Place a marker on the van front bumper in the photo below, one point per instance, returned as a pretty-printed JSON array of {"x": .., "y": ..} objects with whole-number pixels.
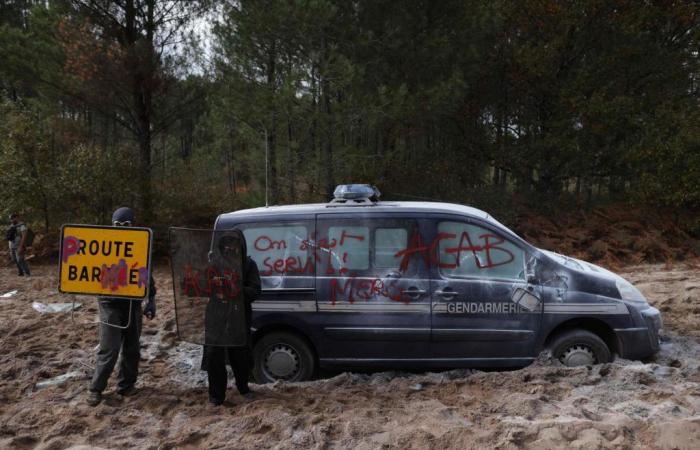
[{"x": 641, "y": 342}]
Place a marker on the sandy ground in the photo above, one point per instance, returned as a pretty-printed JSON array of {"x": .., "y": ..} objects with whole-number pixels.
[{"x": 620, "y": 405}]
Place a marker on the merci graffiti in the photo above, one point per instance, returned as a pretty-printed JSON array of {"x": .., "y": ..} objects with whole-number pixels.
[{"x": 364, "y": 289}]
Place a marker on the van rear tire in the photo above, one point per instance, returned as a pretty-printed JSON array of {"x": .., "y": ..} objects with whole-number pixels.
[
  {"x": 283, "y": 356},
  {"x": 580, "y": 348}
]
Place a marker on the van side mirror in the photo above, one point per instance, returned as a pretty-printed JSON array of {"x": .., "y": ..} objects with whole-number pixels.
[{"x": 525, "y": 298}]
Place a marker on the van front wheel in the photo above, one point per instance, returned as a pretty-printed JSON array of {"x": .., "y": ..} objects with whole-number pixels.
[
  {"x": 580, "y": 348},
  {"x": 283, "y": 356}
]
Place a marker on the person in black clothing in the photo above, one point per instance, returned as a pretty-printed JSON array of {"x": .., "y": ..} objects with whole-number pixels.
[
  {"x": 115, "y": 335},
  {"x": 16, "y": 236},
  {"x": 220, "y": 327}
]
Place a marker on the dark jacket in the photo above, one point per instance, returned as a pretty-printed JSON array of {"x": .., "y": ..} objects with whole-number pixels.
[
  {"x": 251, "y": 291},
  {"x": 251, "y": 281},
  {"x": 251, "y": 286},
  {"x": 227, "y": 319}
]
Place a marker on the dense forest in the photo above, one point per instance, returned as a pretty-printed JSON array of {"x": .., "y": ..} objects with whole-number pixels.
[{"x": 183, "y": 108}]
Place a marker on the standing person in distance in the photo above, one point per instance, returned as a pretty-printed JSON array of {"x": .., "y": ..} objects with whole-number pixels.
[
  {"x": 18, "y": 249},
  {"x": 114, "y": 337}
]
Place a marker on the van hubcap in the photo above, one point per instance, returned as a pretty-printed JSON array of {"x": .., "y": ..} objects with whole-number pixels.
[
  {"x": 281, "y": 362},
  {"x": 577, "y": 355}
]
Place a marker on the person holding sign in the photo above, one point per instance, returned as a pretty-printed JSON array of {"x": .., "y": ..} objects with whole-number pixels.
[
  {"x": 232, "y": 291},
  {"x": 120, "y": 329}
]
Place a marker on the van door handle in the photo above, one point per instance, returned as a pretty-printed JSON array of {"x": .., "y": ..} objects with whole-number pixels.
[
  {"x": 447, "y": 295},
  {"x": 414, "y": 293}
]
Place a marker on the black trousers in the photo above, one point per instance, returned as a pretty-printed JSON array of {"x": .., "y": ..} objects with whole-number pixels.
[
  {"x": 113, "y": 339},
  {"x": 239, "y": 358}
]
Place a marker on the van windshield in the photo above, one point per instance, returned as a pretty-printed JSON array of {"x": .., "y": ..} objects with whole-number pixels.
[{"x": 564, "y": 260}]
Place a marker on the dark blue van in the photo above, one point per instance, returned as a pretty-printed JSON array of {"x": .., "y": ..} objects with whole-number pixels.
[{"x": 359, "y": 283}]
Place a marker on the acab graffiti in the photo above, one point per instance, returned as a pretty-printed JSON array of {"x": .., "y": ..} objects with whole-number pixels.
[
  {"x": 222, "y": 283},
  {"x": 490, "y": 245}
]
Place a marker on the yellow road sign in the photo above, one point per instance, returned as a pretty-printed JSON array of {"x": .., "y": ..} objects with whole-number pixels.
[{"x": 101, "y": 260}]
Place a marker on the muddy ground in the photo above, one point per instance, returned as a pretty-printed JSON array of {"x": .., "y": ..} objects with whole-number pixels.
[{"x": 625, "y": 404}]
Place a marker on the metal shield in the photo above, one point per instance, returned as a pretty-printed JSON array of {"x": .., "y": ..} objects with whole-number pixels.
[{"x": 207, "y": 268}]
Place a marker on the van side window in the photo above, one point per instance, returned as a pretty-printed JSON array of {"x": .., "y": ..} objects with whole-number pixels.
[
  {"x": 468, "y": 250},
  {"x": 280, "y": 250},
  {"x": 366, "y": 247},
  {"x": 388, "y": 242},
  {"x": 350, "y": 247}
]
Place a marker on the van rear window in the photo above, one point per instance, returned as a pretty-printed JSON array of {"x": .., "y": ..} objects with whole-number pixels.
[{"x": 280, "y": 250}]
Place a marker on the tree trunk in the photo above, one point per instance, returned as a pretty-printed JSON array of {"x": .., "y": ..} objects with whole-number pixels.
[
  {"x": 329, "y": 129},
  {"x": 230, "y": 162},
  {"x": 313, "y": 129},
  {"x": 143, "y": 102},
  {"x": 145, "y": 171},
  {"x": 291, "y": 163},
  {"x": 328, "y": 153},
  {"x": 272, "y": 130}
]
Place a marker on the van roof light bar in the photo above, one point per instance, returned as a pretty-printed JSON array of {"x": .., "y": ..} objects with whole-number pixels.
[{"x": 355, "y": 195}]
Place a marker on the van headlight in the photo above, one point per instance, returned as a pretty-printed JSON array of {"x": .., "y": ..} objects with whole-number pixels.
[{"x": 629, "y": 293}]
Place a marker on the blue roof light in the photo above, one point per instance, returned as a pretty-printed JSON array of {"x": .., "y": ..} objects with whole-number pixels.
[{"x": 356, "y": 192}]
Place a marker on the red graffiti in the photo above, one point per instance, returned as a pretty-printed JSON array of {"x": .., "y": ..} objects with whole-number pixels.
[
  {"x": 488, "y": 252},
  {"x": 190, "y": 282},
  {"x": 271, "y": 266},
  {"x": 344, "y": 234},
  {"x": 327, "y": 244},
  {"x": 353, "y": 288},
  {"x": 114, "y": 276},
  {"x": 70, "y": 247},
  {"x": 428, "y": 252},
  {"x": 286, "y": 266},
  {"x": 264, "y": 243},
  {"x": 306, "y": 244},
  {"x": 221, "y": 283},
  {"x": 487, "y": 248}
]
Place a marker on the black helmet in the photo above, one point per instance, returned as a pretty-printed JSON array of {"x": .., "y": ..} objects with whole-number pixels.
[
  {"x": 230, "y": 239},
  {"x": 123, "y": 214}
]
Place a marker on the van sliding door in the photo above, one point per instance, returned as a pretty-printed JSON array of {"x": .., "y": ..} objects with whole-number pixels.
[{"x": 372, "y": 295}]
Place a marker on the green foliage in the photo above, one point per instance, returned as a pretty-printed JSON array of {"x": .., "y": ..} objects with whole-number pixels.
[
  {"x": 28, "y": 178},
  {"x": 54, "y": 180},
  {"x": 489, "y": 103}
]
